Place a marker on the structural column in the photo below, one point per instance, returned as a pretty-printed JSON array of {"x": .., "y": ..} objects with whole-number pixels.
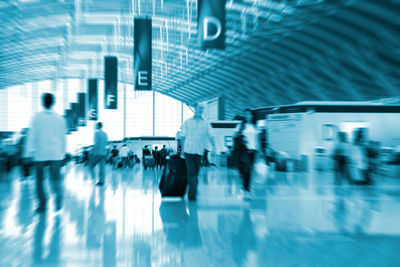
[
  {"x": 4, "y": 109},
  {"x": 181, "y": 114},
  {"x": 154, "y": 112},
  {"x": 35, "y": 98},
  {"x": 65, "y": 95},
  {"x": 124, "y": 110}
]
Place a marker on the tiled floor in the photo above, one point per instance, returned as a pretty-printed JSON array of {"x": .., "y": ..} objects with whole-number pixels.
[{"x": 299, "y": 219}]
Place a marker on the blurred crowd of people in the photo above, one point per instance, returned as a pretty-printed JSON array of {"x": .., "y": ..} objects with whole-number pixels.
[
  {"x": 43, "y": 146},
  {"x": 358, "y": 161}
]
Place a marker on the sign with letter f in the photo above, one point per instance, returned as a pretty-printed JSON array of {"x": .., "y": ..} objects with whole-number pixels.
[{"x": 211, "y": 23}]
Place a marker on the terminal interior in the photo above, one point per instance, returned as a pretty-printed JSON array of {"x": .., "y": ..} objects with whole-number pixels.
[{"x": 310, "y": 71}]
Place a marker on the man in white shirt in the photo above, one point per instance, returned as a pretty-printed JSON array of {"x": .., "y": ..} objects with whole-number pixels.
[
  {"x": 99, "y": 153},
  {"x": 47, "y": 145},
  {"x": 195, "y": 135}
]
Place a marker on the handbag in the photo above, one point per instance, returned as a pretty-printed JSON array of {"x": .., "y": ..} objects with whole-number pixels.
[{"x": 260, "y": 171}]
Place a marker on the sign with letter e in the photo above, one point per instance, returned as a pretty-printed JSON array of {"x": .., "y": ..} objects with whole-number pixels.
[{"x": 142, "y": 54}]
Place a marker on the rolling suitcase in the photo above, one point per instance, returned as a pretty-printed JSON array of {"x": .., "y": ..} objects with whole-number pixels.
[
  {"x": 173, "y": 182},
  {"x": 148, "y": 162}
]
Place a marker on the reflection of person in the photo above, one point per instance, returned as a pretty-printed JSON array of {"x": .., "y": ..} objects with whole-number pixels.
[
  {"x": 99, "y": 153},
  {"x": 174, "y": 218},
  {"x": 193, "y": 237},
  {"x": 54, "y": 252},
  {"x": 96, "y": 220},
  {"x": 38, "y": 240},
  {"x": 180, "y": 223},
  {"x": 53, "y": 256},
  {"x": 244, "y": 240},
  {"x": 141, "y": 254},
  {"x": 24, "y": 216},
  {"x": 47, "y": 144},
  {"x": 195, "y": 134},
  {"x": 340, "y": 211}
]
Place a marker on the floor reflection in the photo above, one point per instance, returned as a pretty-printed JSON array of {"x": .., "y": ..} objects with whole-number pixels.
[
  {"x": 295, "y": 219},
  {"x": 40, "y": 246}
]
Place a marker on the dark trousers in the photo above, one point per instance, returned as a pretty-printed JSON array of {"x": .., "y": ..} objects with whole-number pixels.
[
  {"x": 101, "y": 160},
  {"x": 245, "y": 167},
  {"x": 55, "y": 178},
  {"x": 193, "y": 168},
  {"x": 26, "y": 167},
  {"x": 342, "y": 171}
]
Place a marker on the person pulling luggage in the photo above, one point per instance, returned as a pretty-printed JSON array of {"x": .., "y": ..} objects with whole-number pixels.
[{"x": 195, "y": 135}]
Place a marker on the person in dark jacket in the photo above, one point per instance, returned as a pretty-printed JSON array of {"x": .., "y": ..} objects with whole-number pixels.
[
  {"x": 156, "y": 157},
  {"x": 246, "y": 144}
]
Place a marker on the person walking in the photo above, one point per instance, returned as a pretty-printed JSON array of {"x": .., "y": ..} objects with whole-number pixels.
[
  {"x": 99, "y": 153},
  {"x": 47, "y": 146},
  {"x": 156, "y": 156},
  {"x": 340, "y": 156},
  {"x": 195, "y": 135},
  {"x": 246, "y": 144},
  {"x": 359, "y": 158},
  {"x": 163, "y": 156},
  {"x": 114, "y": 157}
]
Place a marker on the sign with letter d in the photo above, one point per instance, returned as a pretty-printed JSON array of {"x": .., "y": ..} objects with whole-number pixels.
[{"x": 211, "y": 23}]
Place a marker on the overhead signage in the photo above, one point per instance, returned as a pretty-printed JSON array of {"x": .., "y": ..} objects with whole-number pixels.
[
  {"x": 211, "y": 23},
  {"x": 110, "y": 82},
  {"x": 142, "y": 54},
  {"x": 93, "y": 99}
]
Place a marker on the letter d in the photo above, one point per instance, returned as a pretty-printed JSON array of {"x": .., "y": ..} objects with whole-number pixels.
[{"x": 214, "y": 21}]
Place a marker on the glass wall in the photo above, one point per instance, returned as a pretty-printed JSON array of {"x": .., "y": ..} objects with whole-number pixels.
[{"x": 24, "y": 100}]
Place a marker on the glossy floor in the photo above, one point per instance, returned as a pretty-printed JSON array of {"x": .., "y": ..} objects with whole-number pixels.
[{"x": 299, "y": 219}]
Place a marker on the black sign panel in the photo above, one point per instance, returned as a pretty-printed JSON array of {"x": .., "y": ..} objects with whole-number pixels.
[
  {"x": 70, "y": 120},
  {"x": 81, "y": 109},
  {"x": 211, "y": 23},
  {"x": 110, "y": 82},
  {"x": 93, "y": 102},
  {"x": 67, "y": 114},
  {"x": 74, "y": 116},
  {"x": 142, "y": 54}
]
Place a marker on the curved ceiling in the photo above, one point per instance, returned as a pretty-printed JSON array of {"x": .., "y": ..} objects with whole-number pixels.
[{"x": 277, "y": 51}]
